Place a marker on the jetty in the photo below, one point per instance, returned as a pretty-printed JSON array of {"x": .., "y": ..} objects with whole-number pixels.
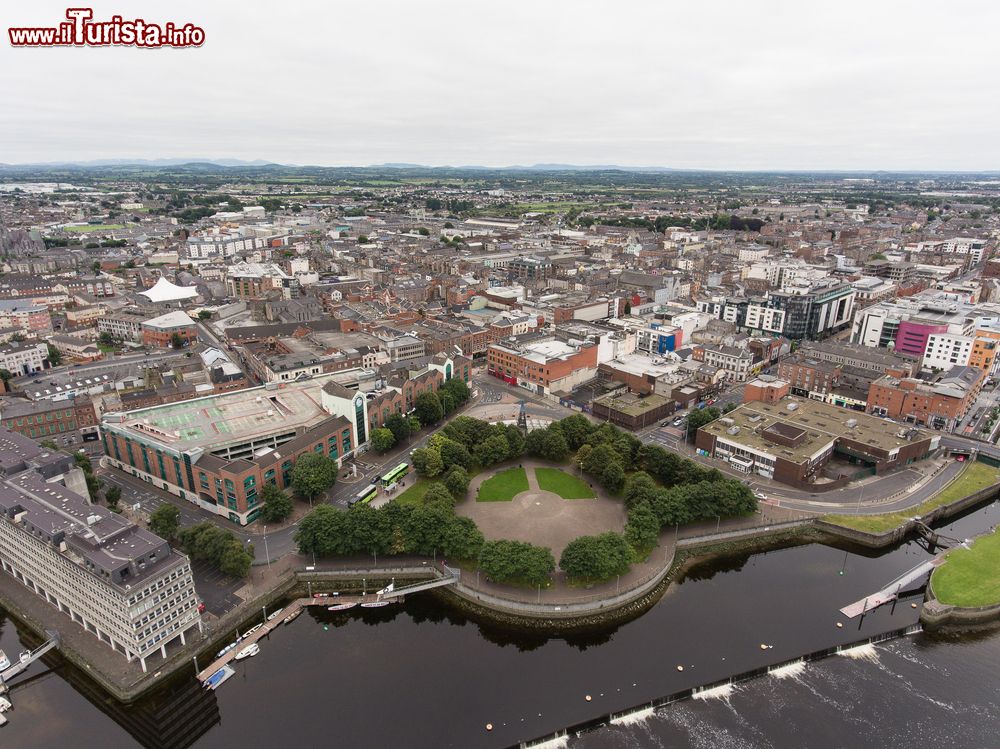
[
  {"x": 892, "y": 590},
  {"x": 390, "y": 594},
  {"x": 26, "y": 659}
]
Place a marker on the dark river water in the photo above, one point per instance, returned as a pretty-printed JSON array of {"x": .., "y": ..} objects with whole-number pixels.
[{"x": 421, "y": 675}]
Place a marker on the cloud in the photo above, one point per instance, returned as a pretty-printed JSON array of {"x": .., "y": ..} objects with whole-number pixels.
[{"x": 752, "y": 85}]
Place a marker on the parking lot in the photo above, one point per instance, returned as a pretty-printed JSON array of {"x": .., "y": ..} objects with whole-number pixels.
[{"x": 216, "y": 590}]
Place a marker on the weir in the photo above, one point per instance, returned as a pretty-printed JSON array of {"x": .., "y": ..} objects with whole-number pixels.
[{"x": 639, "y": 713}]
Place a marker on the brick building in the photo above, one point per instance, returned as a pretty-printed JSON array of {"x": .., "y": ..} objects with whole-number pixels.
[
  {"x": 940, "y": 404},
  {"x": 543, "y": 366},
  {"x": 160, "y": 331}
]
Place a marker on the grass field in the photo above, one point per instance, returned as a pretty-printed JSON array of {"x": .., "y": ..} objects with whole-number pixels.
[
  {"x": 503, "y": 486},
  {"x": 564, "y": 484},
  {"x": 976, "y": 476},
  {"x": 970, "y": 577},
  {"x": 414, "y": 495},
  {"x": 94, "y": 227}
]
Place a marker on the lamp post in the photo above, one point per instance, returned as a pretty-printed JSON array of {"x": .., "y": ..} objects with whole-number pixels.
[{"x": 267, "y": 554}]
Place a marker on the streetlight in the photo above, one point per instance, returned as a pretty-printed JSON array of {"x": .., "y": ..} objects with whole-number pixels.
[{"x": 267, "y": 554}]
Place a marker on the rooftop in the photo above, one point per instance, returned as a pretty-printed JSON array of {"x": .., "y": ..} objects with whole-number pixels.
[
  {"x": 631, "y": 404},
  {"x": 218, "y": 421},
  {"x": 812, "y": 425}
]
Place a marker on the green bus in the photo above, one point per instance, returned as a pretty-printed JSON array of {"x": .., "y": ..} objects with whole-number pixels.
[
  {"x": 364, "y": 496},
  {"x": 395, "y": 474}
]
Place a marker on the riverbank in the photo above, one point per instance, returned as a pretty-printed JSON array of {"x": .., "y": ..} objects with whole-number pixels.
[{"x": 965, "y": 590}]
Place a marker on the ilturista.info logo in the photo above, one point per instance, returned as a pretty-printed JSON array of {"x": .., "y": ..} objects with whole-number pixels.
[{"x": 81, "y": 30}]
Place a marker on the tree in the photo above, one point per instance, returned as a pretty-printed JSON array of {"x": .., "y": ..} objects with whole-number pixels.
[
  {"x": 456, "y": 388},
  {"x": 54, "y": 356},
  {"x": 456, "y": 479},
  {"x": 639, "y": 488},
  {"x": 313, "y": 474},
  {"x": 106, "y": 339},
  {"x": 235, "y": 560},
  {"x": 491, "y": 451},
  {"x": 113, "y": 495},
  {"x": 576, "y": 429},
  {"x": 428, "y": 408},
  {"x": 700, "y": 418},
  {"x": 515, "y": 441},
  {"x": 600, "y": 458},
  {"x": 399, "y": 425},
  {"x": 613, "y": 477},
  {"x": 454, "y": 453},
  {"x": 204, "y": 314},
  {"x": 643, "y": 527},
  {"x": 383, "y": 439},
  {"x": 516, "y": 561},
  {"x": 176, "y": 341},
  {"x": 548, "y": 443},
  {"x": 596, "y": 557},
  {"x": 438, "y": 492},
  {"x": 277, "y": 505},
  {"x": 5, "y": 376},
  {"x": 427, "y": 461},
  {"x": 164, "y": 521}
]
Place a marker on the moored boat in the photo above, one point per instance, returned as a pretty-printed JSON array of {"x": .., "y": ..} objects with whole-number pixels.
[
  {"x": 218, "y": 678},
  {"x": 291, "y": 617},
  {"x": 341, "y": 607},
  {"x": 4, "y": 661},
  {"x": 374, "y": 604},
  {"x": 248, "y": 652}
]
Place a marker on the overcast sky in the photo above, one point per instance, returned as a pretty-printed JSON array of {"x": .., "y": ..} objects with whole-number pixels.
[{"x": 710, "y": 84}]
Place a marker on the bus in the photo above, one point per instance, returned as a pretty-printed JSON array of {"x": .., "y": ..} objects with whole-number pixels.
[
  {"x": 364, "y": 496},
  {"x": 395, "y": 474}
]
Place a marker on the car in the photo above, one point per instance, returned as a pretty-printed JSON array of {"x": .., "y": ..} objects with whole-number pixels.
[
  {"x": 201, "y": 608},
  {"x": 678, "y": 422},
  {"x": 666, "y": 422},
  {"x": 760, "y": 495}
]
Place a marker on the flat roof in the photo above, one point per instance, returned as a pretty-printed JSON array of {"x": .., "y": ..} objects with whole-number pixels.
[
  {"x": 821, "y": 423},
  {"x": 217, "y": 421},
  {"x": 631, "y": 404}
]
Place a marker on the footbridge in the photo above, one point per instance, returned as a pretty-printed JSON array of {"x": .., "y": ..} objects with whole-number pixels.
[
  {"x": 891, "y": 591},
  {"x": 27, "y": 658}
]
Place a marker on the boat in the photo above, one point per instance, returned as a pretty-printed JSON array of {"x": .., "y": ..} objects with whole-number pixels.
[
  {"x": 292, "y": 617},
  {"x": 252, "y": 630},
  {"x": 248, "y": 652},
  {"x": 225, "y": 650},
  {"x": 218, "y": 678},
  {"x": 341, "y": 607},
  {"x": 5, "y": 705},
  {"x": 4, "y": 661},
  {"x": 3, "y": 721},
  {"x": 374, "y": 604},
  {"x": 274, "y": 615}
]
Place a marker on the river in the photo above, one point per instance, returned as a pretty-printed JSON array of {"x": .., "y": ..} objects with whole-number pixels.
[{"x": 423, "y": 675}]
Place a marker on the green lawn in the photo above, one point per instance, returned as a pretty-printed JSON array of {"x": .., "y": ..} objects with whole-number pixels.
[
  {"x": 976, "y": 476},
  {"x": 503, "y": 486},
  {"x": 564, "y": 484},
  {"x": 970, "y": 577},
  {"x": 414, "y": 495},
  {"x": 94, "y": 227}
]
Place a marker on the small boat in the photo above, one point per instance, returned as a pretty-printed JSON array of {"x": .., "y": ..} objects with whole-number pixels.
[
  {"x": 252, "y": 630},
  {"x": 4, "y": 661},
  {"x": 341, "y": 607},
  {"x": 5, "y": 705},
  {"x": 225, "y": 650},
  {"x": 321, "y": 595},
  {"x": 274, "y": 615},
  {"x": 374, "y": 604},
  {"x": 248, "y": 652},
  {"x": 3, "y": 721},
  {"x": 218, "y": 678},
  {"x": 291, "y": 617}
]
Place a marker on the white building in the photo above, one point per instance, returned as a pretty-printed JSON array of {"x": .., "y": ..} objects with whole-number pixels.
[{"x": 23, "y": 358}]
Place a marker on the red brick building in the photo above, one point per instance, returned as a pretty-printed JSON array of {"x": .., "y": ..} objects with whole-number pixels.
[{"x": 159, "y": 332}]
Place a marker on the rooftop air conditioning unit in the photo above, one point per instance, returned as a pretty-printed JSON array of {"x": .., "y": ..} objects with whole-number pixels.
[
  {"x": 733, "y": 430},
  {"x": 91, "y": 519}
]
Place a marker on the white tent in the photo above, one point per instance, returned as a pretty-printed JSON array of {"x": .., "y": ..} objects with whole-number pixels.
[{"x": 165, "y": 291}]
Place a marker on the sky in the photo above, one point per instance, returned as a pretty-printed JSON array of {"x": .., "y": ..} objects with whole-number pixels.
[{"x": 745, "y": 85}]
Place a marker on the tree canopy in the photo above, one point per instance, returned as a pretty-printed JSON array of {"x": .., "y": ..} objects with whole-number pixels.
[{"x": 313, "y": 474}]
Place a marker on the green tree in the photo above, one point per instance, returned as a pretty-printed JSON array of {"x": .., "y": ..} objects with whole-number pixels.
[
  {"x": 235, "y": 560},
  {"x": 106, "y": 339},
  {"x": 427, "y": 462},
  {"x": 313, "y": 474},
  {"x": 639, "y": 488},
  {"x": 164, "y": 521},
  {"x": 454, "y": 453},
  {"x": 439, "y": 492},
  {"x": 399, "y": 425},
  {"x": 596, "y": 557},
  {"x": 277, "y": 505},
  {"x": 642, "y": 528},
  {"x": 113, "y": 495},
  {"x": 176, "y": 340},
  {"x": 516, "y": 561},
  {"x": 700, "y": 418},
  {"x": 613, "y": 477},
  {"x": 457, "y": 389},
  {"x": 576, "y": 429},
  {"x": 456, "y": 479},
  {"x": 515, "y": 441},
  {"x": 54, "y": 356},
  {"x": 204, "y": 314},
  {"x": 383, "y": 439},
  {"x": 461, "y": 539},
  {"x": 5, "y": 376},
  {"x": 427, "y": 408},
  {"x": 491, "y": 451}
]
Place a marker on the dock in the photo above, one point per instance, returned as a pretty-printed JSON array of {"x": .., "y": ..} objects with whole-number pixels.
[
  {"x": 26, "y": 660},
  {"x": 891, "y": 591},
  {"x": 391, "y": 594}
]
